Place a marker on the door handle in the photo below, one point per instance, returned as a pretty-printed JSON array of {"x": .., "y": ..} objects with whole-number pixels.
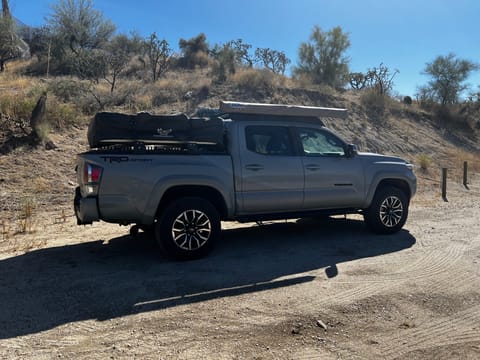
[
  {"x": 254, "y": 167},
  {"x": 312, "y": 167}
]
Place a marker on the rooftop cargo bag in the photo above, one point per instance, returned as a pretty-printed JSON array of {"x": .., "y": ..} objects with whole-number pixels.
[{"x": 108, "y": 128}]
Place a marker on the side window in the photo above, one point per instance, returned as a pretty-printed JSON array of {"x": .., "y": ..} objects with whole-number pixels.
[
  {"x": 269, "y": 140},
  {"x": 317, "y": 142}
]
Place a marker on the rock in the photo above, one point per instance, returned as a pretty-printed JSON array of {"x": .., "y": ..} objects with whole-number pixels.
[
  {"x": 295, "y": 331},
  {"x": 321, "y": 324},
  {"x": 49, "y": 145}
]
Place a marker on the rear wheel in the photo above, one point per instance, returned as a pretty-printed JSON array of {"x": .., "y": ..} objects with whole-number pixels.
[
  {"x": 388, "y": 211},
  {"x": 188, "y": 228}
]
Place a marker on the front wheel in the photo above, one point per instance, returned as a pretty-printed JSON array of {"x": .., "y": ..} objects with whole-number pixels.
[
  {"x": 388, "y": 211},
  {"x": 188, "y": 228}
]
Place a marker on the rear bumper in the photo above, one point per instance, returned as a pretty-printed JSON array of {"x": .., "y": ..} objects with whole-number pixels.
[{"x": 86, "y": 209}]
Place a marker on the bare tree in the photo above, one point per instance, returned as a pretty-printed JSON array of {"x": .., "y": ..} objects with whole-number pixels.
[
  {"x": 381, "y": 79},
  {"x": 159, "y": 55},
  {"x": 358, "y": 80},
  {"x": 242, "y": 52},
  {"x": 118, "y": 53},
  {"x": 273, "y": 60},
  {"x": 6, "y": 9}
]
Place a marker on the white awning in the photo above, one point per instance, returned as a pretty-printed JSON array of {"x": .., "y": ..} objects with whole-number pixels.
[{"x": 234, "y": 107}]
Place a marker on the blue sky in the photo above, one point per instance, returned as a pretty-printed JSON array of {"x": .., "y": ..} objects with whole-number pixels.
[{"x": 402, "y": 34}]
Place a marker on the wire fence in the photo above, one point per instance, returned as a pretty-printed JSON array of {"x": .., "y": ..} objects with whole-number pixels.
[{"x": 458, "y": 175}]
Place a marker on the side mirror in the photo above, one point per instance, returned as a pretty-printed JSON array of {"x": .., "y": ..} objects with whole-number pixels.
[{"x": 352, "y": 150}]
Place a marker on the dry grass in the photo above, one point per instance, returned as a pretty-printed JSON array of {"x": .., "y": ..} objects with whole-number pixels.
[
  {"x": 456, "y": 159},
  {"x": 424, "y": 161},
  {"x": 10, "y": 80},
  {"x": 256, "y": 80}
]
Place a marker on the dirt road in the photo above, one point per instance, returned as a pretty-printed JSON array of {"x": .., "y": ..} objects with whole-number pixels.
[{"x": 296, "y": 290}]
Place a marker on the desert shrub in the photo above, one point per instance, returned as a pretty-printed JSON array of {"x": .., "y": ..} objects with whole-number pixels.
[
  {"x": 407, "y": 100},
  {"x": 167, "y": 91},
  {"x": 325, "y": 90},
  {"x": 163, "y": 96},
  {"x": 203, "y": 91},
  {"x": 254, "y": 79},
  {"x": 373, "y": 101},
  {"x": 424, "y": 162},
  {"x": 68, "y": 89},
  {"x": 101, "y": 100},
  {"x": 19, "y": 109},
  {"x": 17, "y": 106},
  {"x": 451, "y": 116},
  {"x": 62, "y": 115},
  {"x": 201, "y": 59},
  {"x": 194, "y": 52}
]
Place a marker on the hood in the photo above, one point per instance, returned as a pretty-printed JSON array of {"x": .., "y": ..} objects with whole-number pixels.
[{"x": 385, "y": 159}]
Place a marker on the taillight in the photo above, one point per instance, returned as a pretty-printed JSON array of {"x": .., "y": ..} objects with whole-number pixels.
[
  {"x": 92, "y": 174},
  {"x": 91, "y": 178}
]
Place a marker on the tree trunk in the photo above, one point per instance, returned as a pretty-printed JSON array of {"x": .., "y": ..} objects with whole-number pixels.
[{"x": 6, "y": 10}]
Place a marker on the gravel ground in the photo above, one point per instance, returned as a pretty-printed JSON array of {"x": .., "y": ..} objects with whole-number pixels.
[{"x": 285, "y": 290}]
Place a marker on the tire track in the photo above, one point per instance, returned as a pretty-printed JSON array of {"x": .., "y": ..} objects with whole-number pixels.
[
  {"x": 438, "y": 265},
  {"x": 446, "y": 331}
]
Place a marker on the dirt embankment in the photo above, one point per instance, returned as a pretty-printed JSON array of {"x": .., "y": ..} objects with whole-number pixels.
[{"x": 295, "y": 290}]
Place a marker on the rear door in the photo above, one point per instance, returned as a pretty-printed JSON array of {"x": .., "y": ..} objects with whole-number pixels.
[{"x": 272, "y": 177}]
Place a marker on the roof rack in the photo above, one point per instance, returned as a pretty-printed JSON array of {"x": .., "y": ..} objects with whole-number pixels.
[{"x": 234, "y": 107}]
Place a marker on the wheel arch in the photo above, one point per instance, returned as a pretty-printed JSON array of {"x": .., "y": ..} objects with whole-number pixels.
[
  {"x": 397, "y": 183},
  {"x": 200, "y": 191}
]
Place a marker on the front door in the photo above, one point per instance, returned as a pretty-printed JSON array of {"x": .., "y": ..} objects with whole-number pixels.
[{"x": 332, "y": 180}]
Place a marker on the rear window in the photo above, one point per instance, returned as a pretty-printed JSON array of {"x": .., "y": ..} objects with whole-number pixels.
[{"x": 269, "y": 140}]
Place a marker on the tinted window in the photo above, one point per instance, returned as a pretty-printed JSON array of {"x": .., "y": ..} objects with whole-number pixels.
[{"x": 269, "y": 140}]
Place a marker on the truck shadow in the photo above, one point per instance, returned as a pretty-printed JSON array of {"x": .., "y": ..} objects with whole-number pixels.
[{"x": 107, "y": 279}]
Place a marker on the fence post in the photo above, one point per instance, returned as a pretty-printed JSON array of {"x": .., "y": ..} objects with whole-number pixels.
[
  {"x": 444, "y": 184},
  {"x": 465, "y": 174}
]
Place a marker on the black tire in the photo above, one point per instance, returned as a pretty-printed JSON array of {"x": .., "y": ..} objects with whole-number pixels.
[
  {"x": 188, "y": 228},
  {"x": 388, "y": 211},
  {"x": 134, "y": 230},
  {"x": 148, "y": 230}
]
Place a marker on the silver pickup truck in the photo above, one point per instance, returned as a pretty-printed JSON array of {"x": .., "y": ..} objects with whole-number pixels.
[{"x": 269, "y": 162}]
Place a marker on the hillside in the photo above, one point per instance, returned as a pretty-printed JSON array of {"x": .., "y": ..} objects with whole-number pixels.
[
  {"x": 303, "y": 288},
  {"x": 32, "y": 177}
]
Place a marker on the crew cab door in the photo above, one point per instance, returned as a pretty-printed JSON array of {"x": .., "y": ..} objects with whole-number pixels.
[
  {"x": 272, "y": 178},
  {"x": 332, "y": 180}
]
